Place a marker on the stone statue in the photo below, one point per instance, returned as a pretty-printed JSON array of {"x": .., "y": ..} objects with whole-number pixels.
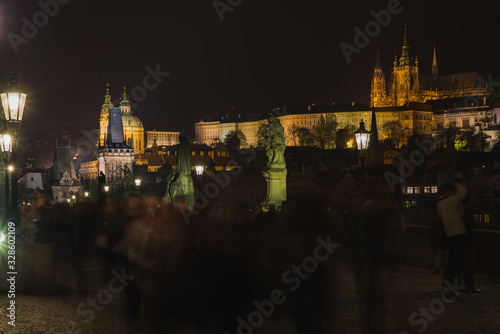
[
  {"x": 184, "y": 156},
  {"x": 275, "y": 142},
  {"x": 127, "y": 182},
  {"x": 276, "y": 168},
  {"x": 180, "y": 185}
]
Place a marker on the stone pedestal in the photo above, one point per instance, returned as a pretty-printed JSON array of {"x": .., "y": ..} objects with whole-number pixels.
[{"x": 276, "y": 188}]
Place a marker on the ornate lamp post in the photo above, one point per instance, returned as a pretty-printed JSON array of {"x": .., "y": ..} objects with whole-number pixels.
[
  {"x": 362, "y": 141},
  {"x": 13, "y": 103},
  {"x": 138, "y": 184},
  {"x": 199, "y": 171}
]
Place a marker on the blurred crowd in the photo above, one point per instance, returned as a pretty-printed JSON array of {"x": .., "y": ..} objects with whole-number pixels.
[{"x": 210, "y": 267}]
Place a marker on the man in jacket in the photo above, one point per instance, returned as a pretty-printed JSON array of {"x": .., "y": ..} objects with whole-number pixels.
[{"x": 450, "y": 210}]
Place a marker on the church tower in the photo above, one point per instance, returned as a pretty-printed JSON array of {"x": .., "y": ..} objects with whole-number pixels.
[
  {"x": 103, "y": 119},
  {"x": 405, "y": 73},
  {"x": 379, "y": 89},
  {"x": 125, "y": 104}
]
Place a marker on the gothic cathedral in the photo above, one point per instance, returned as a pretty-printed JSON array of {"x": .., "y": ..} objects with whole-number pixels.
[{"x": 407, "y": 85}]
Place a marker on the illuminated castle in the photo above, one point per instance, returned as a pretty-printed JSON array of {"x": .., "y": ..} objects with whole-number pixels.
[{"x": 407, "y": 85}]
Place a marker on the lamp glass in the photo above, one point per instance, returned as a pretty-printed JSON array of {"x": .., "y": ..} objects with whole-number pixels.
[
  {"x": 137, "y": 182},
  {"x": 362, "y": 137},
  {"x": 199, "y": 170},
  {"x": 5, "y": 104},
  {"x": 6, "y": 143}
]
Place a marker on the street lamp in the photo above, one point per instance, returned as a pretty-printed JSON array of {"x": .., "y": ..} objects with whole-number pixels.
[
  {"x": 137, "y": 183},
  {"x": 13, "y": 102},
  {"x": 199, "y": 171},
  {"x": 106, "y": 188},
  {"x": 86, "y": 194},
  {"x": 362, "y": 141}
]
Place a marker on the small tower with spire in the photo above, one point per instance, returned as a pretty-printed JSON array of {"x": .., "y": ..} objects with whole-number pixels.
[
  {"x": 124, "y": 103},
  {"x": 103, "y": 119},
  {"x": 378, "y": 89},
  {"x": 435, "y": 65}
]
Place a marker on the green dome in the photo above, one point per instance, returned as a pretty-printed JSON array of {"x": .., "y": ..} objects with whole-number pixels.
[{"x": 131, "y": 121}]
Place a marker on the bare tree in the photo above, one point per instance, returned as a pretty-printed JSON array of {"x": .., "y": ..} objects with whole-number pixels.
[
  {"x": 394, "y": 132},
  {"x": 234, "y": 140},
  {"x": 324, "y": 131}
]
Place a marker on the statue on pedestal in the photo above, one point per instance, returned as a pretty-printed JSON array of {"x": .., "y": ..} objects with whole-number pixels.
[
  {"x": 276, "y": 168},
  {"x": 180, "y": 186}
]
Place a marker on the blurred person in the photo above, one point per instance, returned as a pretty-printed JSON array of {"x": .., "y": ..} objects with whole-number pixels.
[
  {"x": 44, "y": 221},
  {"x": 301, "y": 223},
  {"x": 27, "y": 224},
  {"x": 376, "y": 252},
  {"x": 468, "y": 265}
]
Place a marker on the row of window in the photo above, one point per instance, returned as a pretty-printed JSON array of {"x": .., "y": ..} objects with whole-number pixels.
[
  {"x": 417, "y": 190},
  {"x": 482, "y": 219}
]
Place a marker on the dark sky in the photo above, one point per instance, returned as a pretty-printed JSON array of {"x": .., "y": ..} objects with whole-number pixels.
[{"x": 264, "y": 54}]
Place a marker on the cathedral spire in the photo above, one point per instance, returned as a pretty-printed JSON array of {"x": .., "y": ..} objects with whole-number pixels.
[
  {"x": 405, "y": 57},
  {"x": 435, "y": 65}
]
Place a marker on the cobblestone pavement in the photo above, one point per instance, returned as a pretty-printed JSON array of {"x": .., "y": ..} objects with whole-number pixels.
[{"x": 414, "y": 290}]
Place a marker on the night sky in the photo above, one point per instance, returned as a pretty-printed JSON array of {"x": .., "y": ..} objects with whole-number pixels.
[{"x": 264, "y": 54}]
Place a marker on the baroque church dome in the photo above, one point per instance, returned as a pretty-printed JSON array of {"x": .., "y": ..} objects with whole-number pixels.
[
  {"x": 133, "y": 128},
  {"x": 131, "y": 121}
]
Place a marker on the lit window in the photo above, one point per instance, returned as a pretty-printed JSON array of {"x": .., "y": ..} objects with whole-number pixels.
[
  {"x": 427, "y": 190},
  {"x": 475, "y": 219},
  {"x": 413, "y": 203},
  {"x": 417, "y": 190},
  {"x": 486, "y": 218},
  {"x": 479, "y": 218},
  {"x": 434, "y": 189},
  {"x": 409, "y": 190}
]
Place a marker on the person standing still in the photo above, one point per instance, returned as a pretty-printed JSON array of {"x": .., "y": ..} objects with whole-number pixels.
[{"x": 450, "y": 212}]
